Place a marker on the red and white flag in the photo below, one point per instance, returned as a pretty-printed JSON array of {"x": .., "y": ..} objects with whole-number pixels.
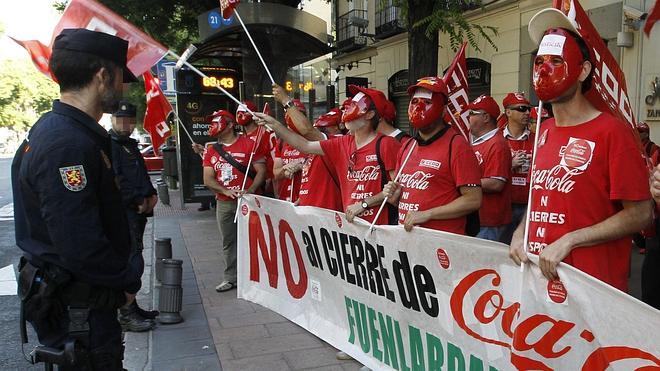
[
  {"x": 143, "y": 50},
  {"x": 158, "y": 108},
  {"x": 654, "y": 16},
  {"x": 609, "y": 92},
  {"x": 39, "y": 53},
  {"x": 456, "y": 79}
]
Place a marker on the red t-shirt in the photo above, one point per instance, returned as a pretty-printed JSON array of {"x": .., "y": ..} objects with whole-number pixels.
[
  {"x": 226, "y": 174},
  {"x": 580, "y": 175},
  {"x": 358, "y": 169},
  {"x": 430, "y": 180},
  {"x": 317, "y": 186},
  {"x": 494, "y": 157},
  {"x": 289, "y": 155},
  {"x": 264, "y": 149},
  {"x": 520, "y": 175}
]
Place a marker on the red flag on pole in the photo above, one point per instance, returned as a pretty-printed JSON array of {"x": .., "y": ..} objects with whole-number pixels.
[
  {"x": 155, "y": 117},
  {"x": 143, "y": 51},
  {"x": 654, "y": 16},
  {"x": 39, "y": 53},
  {"x": 609, "y": 92},
  {"x": 456, "y": 79}
]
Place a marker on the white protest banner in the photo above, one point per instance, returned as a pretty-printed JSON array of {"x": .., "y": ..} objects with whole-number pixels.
[{"x": 428, "y": 300}]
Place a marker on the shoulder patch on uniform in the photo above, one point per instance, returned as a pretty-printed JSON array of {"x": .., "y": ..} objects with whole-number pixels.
[{"x": 74, "y": 178}]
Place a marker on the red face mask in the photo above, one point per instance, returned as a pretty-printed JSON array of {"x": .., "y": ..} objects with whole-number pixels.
[
  {"x": 217, "y": 126},
  {"x": 557, "y": 65},
  {"x": 425, "y": 108},
  {"x": 243, "y": 118},
  {"x": 356, "y": 107}
]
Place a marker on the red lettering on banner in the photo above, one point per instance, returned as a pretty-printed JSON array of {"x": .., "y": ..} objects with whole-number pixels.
[
  {"x": 297, "y": 290},
  {"x": 490, "y": 305},
  {"x": 601, "y": 358},
  {"x": 269, "y": 255}
]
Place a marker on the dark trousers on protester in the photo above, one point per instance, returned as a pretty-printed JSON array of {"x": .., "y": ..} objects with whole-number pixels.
[
  {"x": 651, "y": 271},
  {"x": 225, "y": 211}
]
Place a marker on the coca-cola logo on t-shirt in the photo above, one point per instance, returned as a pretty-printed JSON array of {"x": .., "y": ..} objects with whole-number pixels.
[
  {"x": 365, "y": 174},
  {"x": 577, "y": 153},
  {"x": 417, "y": 180}
]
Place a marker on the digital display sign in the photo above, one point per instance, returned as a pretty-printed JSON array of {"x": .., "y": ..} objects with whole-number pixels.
[{"x": 189, "y": 82}]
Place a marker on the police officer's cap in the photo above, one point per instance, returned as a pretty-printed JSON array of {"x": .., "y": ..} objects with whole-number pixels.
[
  {"x": 96, "y": 43},
  {"x": 125, "y": 109}
]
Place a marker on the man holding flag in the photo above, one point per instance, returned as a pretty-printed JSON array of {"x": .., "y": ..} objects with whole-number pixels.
[
  {"x": 225, "y": 166},
  {"x": 582, "y": 211}
]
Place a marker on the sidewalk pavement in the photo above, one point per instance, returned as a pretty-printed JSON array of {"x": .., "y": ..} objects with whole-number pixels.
[{"x": 219, "y": 331}]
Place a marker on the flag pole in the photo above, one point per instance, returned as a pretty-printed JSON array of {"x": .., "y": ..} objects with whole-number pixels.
[
  {"x": 396, "y": 179},
  {"x": 186, "y": 131},
  {"x": 531, "y": 168},
  {"x": 255, "y": 46}
]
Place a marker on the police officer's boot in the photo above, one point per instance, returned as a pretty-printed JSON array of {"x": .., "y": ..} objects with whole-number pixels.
[
  {"x": 148, "y": 314},
  {"x": 131, "y": 320}
]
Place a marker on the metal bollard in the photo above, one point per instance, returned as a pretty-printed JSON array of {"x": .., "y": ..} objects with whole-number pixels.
[
  {"x": 170, "y": 298},
  {"x": 164, "y": 194},
  {"x": 163, "y": 250}
]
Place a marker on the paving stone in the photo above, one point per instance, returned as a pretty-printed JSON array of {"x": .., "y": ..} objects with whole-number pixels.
[
  {"x": 240, "y": 333},
  {"x": 257, "y": 318},
  {"x": 175, "y": 348},
  {"x": 311, "y": 358},
  {"x": 247, "y": 348},
  {"x": 189, "y": 364},
  {"x": 284, "y": 328},
  {"x": 187, "y": 332},
  {"x": 273, "y": 362}
]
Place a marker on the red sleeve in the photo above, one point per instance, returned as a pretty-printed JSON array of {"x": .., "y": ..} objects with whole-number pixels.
[
  {"x": 389, "y": 150},
  {"x": 331, "y": 146},
  {"x": 208, "y": 153},
  {"x": 464, "y": 165},
  {"x": 628, "y": 174},
  {"x": 498, "y": 161}
]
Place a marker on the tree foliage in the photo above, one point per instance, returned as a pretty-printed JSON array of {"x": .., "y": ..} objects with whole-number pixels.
[{"x": 25, "y": 94}]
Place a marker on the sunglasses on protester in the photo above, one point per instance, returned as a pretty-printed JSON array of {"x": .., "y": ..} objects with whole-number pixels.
[{"x": 521, "y": 108}]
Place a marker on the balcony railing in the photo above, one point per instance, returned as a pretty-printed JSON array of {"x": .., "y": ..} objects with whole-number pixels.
[
  {"x": 389, "y": 22},
  {"x": 349, "y": 30}
]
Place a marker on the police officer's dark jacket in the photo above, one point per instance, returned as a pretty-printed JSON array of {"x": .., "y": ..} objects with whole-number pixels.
[
  {"x": 130, "y": 170},
  {"x": 67, "y": 207}
]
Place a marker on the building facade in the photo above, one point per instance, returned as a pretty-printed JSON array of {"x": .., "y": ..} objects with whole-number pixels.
[{"x": 372, "y": 49}]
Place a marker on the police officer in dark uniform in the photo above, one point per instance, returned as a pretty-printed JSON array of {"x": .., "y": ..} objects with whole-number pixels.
[
  {"x": 69, "y": 217},
  {"x": 139, "y": 197}
]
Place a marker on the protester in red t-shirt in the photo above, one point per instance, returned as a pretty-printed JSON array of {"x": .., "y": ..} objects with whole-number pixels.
[
  {"x": 440, "y": 183},
  {"x": 225, "y": 164},
  {"x": 354, "y": 155},
  {"x": 250, "y": 129},
  {"x": 590, "y": 189},
  {"x": 521, "y": 142},
  {"x": 289, "y": 161},
  {"x": 318, "y": 186},
  {"x": 494, "y": 157}
]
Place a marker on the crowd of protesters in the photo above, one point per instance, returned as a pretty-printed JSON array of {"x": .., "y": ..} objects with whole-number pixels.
[{"x": 582, "y": 211}]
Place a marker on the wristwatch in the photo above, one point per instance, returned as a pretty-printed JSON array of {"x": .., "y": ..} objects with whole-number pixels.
[
  {"x": 288, "y": 104},
  {"x": 364, "y": 204}
]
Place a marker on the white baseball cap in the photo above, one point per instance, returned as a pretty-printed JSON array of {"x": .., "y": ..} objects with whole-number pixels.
[{"x": 546, "y": 19}]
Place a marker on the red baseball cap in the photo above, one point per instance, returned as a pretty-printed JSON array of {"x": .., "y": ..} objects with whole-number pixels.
[
  {"x": 534, "y": 115},
  {"x": 331, "y": 118},
  {"x": 432, "y": 83},
  {"x": 384, "y": 107},
  {"x": 486, "y": 103},
  {"x": 515, "y": 98}
]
